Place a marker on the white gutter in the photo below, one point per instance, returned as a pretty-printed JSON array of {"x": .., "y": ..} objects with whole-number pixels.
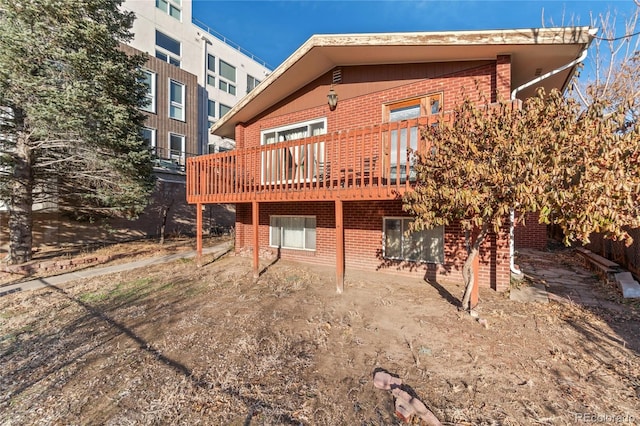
[
  {"x": 582, "y": 57},
  {"x": 512, "y": 217}
]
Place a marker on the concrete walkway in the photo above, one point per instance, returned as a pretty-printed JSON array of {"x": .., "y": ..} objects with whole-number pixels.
[
  {"x": 98, "y": 271},
  {"x": 559, "y": 276}
]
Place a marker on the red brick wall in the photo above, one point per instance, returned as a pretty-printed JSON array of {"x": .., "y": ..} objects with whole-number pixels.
[
  {"x": 530, "y": 234},
  {"x": 503, "y": 78},
  {"x": 358, "y": 107},
  {"x": 362, "y": 94},
  {"x": 363, "y": 227}
]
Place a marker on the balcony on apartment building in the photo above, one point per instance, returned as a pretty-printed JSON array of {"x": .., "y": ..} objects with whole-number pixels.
[
  {"x": 173, "y": 160},
  {"x": 372, "y": 163}
]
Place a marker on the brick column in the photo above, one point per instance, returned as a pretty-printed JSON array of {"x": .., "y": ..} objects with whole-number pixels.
[{"x": 503, "y": 77}]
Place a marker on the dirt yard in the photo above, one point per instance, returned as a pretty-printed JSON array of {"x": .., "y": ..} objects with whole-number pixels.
[{"x": 208, "y": 345}]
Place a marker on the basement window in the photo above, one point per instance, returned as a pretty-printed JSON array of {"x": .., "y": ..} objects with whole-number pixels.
[
  {"x": 421, "y": 246},
  {"x": 293, "y": 232}
]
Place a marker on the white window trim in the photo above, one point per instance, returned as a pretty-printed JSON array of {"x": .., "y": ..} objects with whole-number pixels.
[
  {"x": 222, "y": 81},
  {"x": 176, "y": 4},
  {"x": 151, "y": 95},
  {"x": 213, "y": 57},
  {"x": 220, "y": 61},
  {"x": 177, "y": 104},
  {"x": 255, "y": 82},
  {"x": 220, "y": 105},
  {"x": 307, "y": 123},
  {"x": 384, "y": 241},
  {"x": 304, "y": 233},
  {"x": 179, "y": 158},
  {"x": 169, "y": 54},
  {"x": 215, "y": 104},
  {"x": 153, "y": 141},
  {"x": 318, "y": 167}
]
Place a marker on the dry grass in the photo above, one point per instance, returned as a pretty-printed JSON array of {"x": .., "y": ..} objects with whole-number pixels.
[{"x": 186, "y": 345}]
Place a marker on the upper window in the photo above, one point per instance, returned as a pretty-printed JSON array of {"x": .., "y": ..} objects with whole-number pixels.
[
  {"x": 176, "y": 100},
  {"x": 211, "y": 69},
  {"x": 149, "y": 136},
  {"x": 226, "y": 87},
  {"x": 223, "y": 109},
  {"x": 293, "y": 232},
  {"x": 413, "y": 108},
  {"x": 251, "y": 83},
  {"x": 211, "y": 108},
  {"x": 171, "y": 7},
  {"x": 167, "y": 49},
  {"x": 295, "y": 131},
  {"x": 401, "y": 144},
  {"x": 420, "y": 246},
  {"x": 150, "y": 81},
  {"x": 176, "y": 147},
  {"x": 227, "y": 71}
]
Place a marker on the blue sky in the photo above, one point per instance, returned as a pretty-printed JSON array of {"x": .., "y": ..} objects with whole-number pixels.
[{"x": 272, "y": 30}]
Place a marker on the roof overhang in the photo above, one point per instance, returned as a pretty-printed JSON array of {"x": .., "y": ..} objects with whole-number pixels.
[{"x": 532, "y": 51}]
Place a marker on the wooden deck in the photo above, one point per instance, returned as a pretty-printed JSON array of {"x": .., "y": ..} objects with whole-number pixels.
[{"x": 369, "y": 163}]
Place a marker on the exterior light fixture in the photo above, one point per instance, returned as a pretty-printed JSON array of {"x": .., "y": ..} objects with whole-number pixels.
[{"x": 332, "y": 99}]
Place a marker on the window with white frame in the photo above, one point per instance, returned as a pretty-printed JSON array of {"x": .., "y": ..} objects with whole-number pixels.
[
  {"x": 419, "y": 246},
  {"x": 168, "y": 49},
  {"x": 149, "y": 79},
  {"x": 211, "y": 108},
  {"x": 295, "y": 131},
  {"x": 252, "y": 82},
  {"x": 149, "y": 136},
  {"x": 223, "y": 109},
  {"x": 176, "y": 148},
  {"x": 171, "y": 7},
  {"x": 211, "y": 69},
  {"x": 227, "y": 80},
  {"x": 176, "y": 100},
  {"x": 298, "y": 163},
  {"x": 226, "y": 87},
  {"x": 293, "y": 232}
]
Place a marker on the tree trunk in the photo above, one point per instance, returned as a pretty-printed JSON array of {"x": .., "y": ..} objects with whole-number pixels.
[
  {"x": 467, "y": 268},
  {"x": 21, "y": 203},
  {"x": 163, "y": 225}
]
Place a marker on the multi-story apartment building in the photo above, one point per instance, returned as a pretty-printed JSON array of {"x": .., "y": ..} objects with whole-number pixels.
[{"x": 223, "y": 72}]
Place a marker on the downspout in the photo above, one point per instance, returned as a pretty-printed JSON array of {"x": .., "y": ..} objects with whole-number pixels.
[{"x": 512, "y": 217}]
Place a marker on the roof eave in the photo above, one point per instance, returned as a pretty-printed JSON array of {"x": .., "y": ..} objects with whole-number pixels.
[{"x": 324, "y": 62}]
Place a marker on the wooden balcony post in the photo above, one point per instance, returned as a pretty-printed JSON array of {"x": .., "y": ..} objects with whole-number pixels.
[
  {"x": 339, "y": 248},
  {"x": 199, "y": 231},
  {"x": 255, "y": 216}
]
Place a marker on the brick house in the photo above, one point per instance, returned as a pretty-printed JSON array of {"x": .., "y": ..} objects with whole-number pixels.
[{"x": 319, "y": 183}]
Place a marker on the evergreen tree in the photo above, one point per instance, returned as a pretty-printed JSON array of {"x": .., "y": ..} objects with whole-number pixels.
[{"x": 70, "y": 121}]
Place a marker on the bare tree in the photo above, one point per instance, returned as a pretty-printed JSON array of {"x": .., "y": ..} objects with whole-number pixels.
[{"x": 612, "y": 74}]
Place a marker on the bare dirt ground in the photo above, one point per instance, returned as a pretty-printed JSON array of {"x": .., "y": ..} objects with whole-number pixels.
[{"x": 182, "y": 344}]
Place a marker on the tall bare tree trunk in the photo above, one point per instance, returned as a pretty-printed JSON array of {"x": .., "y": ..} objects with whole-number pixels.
[{"x": 21, "y": 203}]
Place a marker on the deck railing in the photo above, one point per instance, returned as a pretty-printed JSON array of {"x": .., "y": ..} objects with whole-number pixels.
[{"x": 367, "y": 163}]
